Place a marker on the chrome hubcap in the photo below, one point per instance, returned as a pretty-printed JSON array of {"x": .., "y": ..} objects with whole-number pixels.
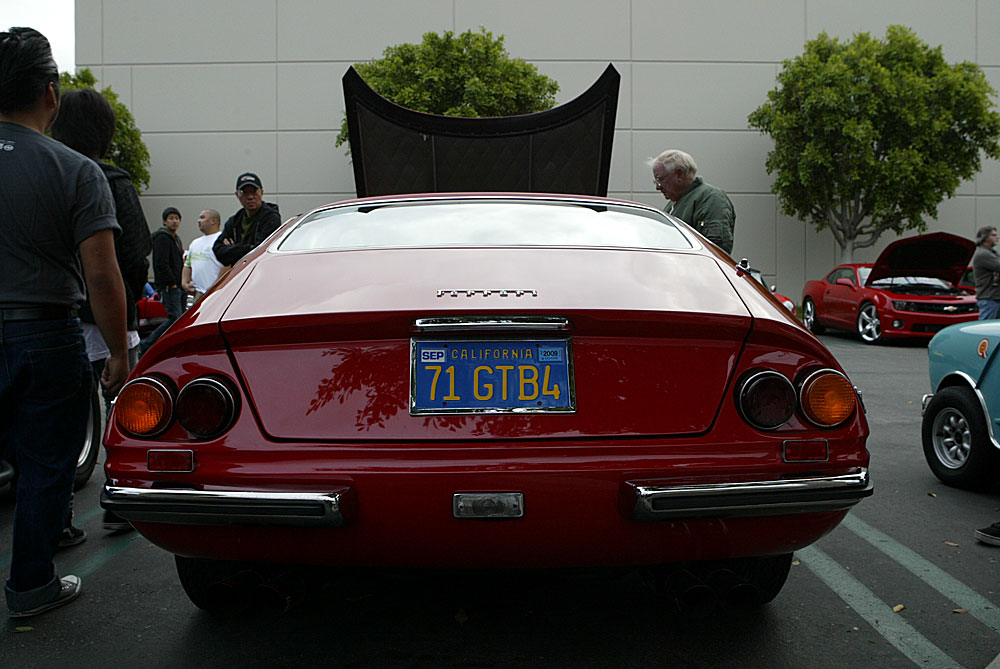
[
  {"x": 952, "y": 438},
  {"x": 808, "y": 314},
  {"x": 868, "y": 326}
]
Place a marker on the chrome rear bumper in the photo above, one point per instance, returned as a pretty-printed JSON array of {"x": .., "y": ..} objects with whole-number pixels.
[
  {"x": 655, "y": 500},
  {"x": 645, "y": 501},
  {"x": 218, "y": 507}
]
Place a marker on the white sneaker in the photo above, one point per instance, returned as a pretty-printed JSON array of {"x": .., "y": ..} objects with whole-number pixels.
[{"x": 69, "y": 590}]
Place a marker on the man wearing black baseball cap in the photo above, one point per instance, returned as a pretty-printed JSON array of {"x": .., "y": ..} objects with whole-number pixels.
[
  {"x": 168, "y": 266},
  {"x": 249, "y": 226}
]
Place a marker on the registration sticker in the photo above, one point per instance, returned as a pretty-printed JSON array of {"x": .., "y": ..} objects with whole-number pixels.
[{"x": 491, "y": 376}]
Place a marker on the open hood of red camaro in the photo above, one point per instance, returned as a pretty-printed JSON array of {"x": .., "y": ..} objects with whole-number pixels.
[{"x": 941, "y": 255}]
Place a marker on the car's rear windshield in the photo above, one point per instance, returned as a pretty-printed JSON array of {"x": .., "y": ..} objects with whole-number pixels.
[{"x": 484, "y": 223}]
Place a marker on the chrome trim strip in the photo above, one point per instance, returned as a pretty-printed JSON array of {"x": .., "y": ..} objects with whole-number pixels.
[
  {"x": 225, "y": 507},
  {"x": 655, "y": 501},
  {"x": 982, "y": 402},
  {"x": 506, "y": 323}
]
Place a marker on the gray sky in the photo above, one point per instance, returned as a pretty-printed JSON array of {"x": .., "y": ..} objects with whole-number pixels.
[{"x": 52, "y": 18}]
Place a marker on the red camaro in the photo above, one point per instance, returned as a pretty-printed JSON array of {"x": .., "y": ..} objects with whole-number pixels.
[
  {"x": 910, "y": 291},
  {"x": 487, "y": 381}
]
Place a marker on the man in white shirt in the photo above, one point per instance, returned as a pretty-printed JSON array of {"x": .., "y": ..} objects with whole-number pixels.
[{"x": 201, "y": 268}]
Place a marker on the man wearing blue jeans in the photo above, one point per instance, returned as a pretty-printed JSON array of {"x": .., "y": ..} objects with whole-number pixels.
[
  {"x": 168, "y": 267},
  {"x": 57, "y": 220},
  {"x": 986, "y": 270}
]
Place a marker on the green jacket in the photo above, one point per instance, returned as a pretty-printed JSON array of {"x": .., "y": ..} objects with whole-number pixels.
[{"x": 708, "y": 210}]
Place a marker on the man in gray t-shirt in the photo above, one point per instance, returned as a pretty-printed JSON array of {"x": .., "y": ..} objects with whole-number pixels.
[{"x": 57, "y": 223}]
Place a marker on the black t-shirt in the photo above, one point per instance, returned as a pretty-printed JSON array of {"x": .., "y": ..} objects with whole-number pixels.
[{"x": 51, "y": 199}]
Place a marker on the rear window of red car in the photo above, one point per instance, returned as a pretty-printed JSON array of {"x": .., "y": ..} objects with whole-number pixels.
[{"x": 484, "y": 223}]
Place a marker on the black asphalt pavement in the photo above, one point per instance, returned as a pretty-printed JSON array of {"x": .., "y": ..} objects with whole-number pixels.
[{"x": 909, "y": 545}]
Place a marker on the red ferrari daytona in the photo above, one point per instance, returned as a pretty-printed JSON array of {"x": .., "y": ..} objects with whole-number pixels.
[{"x": 487, "y": 381}]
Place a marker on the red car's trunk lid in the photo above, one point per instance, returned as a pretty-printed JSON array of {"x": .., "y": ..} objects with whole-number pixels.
[{"x": 323, "y": 339}]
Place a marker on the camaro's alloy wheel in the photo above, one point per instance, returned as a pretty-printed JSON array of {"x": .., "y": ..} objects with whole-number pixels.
[
  {"x": 869, "y": 328},
  {"x": 809, "y": 316},
  {"x": 955, "y": 439}
]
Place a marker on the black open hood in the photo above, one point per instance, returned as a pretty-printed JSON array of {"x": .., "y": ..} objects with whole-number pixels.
[
  {"x": 566, "y": 149},
  {"x": 940, "y": 254}
]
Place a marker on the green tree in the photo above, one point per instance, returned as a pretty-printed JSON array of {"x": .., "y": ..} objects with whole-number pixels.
[
  {"x": 468, "y": 75},
  {"x": 870, "y": 135},
  {"x": 127, "y": 148}
]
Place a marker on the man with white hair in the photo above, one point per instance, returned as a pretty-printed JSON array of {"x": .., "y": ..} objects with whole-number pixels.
[{"x": 703, "y": 206}]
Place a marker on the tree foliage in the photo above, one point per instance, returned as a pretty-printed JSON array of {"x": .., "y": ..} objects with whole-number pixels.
[
  {"x": 870, "y": 135},
  {"x": 468, "y": 75},
  {"x": 127, "y": 148}
]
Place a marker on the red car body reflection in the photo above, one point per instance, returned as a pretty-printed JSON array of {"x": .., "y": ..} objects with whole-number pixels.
[{"x": 327, "y": 459}]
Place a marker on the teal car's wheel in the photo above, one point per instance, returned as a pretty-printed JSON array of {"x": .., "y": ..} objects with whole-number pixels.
[
  {"x": 869, "y": 327},
  {"x": 956, "y": 441}
]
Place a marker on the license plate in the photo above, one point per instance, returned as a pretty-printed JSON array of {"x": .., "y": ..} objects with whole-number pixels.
[{"x": 491, "y": 376}]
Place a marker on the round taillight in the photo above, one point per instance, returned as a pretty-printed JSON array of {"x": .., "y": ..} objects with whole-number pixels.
[
  {"x": 767, "y": 400},
  {"x": 827, "y": 398},
  {"x": 144, "y": 407},
  {"x": 205, "y": 407}
]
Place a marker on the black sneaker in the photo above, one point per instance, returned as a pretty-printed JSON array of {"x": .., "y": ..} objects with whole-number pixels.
[
  {"x": 71, "y": 536},
  {"x": 115, "y": 523},
  {"x": 70, "y": 588},
  {"x": 989, "y": 535}
]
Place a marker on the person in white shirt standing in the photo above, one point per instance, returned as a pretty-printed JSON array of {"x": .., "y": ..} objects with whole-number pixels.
[{"x": 202, "y": 268}]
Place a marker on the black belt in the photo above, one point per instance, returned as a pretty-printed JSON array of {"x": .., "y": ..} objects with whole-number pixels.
[{"x": 37, "y": 313}]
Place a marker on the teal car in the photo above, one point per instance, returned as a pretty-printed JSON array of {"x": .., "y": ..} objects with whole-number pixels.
[{"x": 961, "y": 418}]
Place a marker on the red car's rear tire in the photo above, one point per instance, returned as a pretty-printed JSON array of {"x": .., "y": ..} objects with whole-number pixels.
[
  {"x": 217, "y": 586},
  {"x": 697, "y": 588}
]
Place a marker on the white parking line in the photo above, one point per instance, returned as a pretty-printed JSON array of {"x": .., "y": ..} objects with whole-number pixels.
[
  {"x": 979, "y": 607},
  {"x": 877, "y": 613}
]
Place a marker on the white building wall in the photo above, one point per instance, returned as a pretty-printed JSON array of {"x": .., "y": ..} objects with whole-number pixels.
[{"x": 219, "y": 88}]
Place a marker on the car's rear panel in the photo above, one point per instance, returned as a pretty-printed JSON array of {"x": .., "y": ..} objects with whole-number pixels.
[
  {"x": 319, "y": 346},
  {"x": 649, "y": 356}
]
